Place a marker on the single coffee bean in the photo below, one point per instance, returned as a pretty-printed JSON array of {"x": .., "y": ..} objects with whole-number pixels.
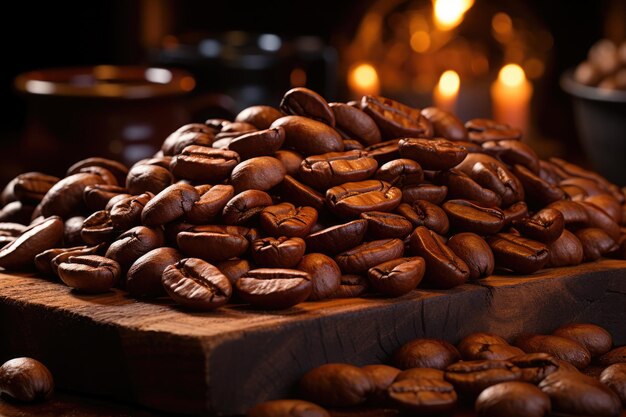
[
  {"x": 435, "y": 194},
  {"x": 106, "y": 175},
  {"x": 199, "y": 163},
  {"x": 282, "y": 252},
  {"x": 98, "y": 228},
  {"x": 144, "y": 276},
  {"x": 234, "y": 269},
  {"x": 260, "y": 173},
  {"x": 445, "y": 124},
  {"x": 596, "y": 339},
  {"x": 259, "y": 116},
  {"x": 596, "y": 243},
  {"x": 396, "y": 120},
  {"x": 97, "y": 196},
  {"x": 25, "y": 380},
  {"x": 245, "y": 206},
  {"x": 473, "y": 377},
  {"x": 444, "y": 269},
  {"x": 353, "y": 198},
  {"x": 35, "y": 239},
  {"x": 426, "y": 353},
  {"x": 382, "y": 376},
  {"x": 401, "y": 173},
  {"x": 291, "y": 160},
  {"x": 587, "y": 186},
  {"x": 574, "y": 214},
  {"x": 118, "y": 169},
  {"x": 196, "y": 284},
  {"x": 614, "y": 377},
  {"x": 483, "y": 130},
  {"x": 43, "y": 260},
  {"x": 351, "y": 286},
  {"x": 462, "y": 186},
  {"x": 31, "y": 187},
  {"x": 515, "y": 212},
  {"x": 466, "y": 216},
  {"x": 65, "y": 198},
  {"x": 337, "y": 239},
  {"x": 601, "y": 220},
  {"x": 608, "y": 204},
  {"x": 384, "y": 152},
  {"x": 485, "y": 351},
  {"x": 513, "y": 152},
  {"x": 418, "y": 373},
  {"x": 424, "y": 396},
  {"x": 335, "y": 168},
  {"x": 301, "y": 194},
  {"x": 560, "y": 347},
  {"x": 132, "y": 244},
  {"x": 567, "y": 250},
  {"x": 301, "y": 101},
  {"x": 161, "y": 161},
  {"x": 475, "y": 252},
  {"x": 69, "y": 252},
  {"x": 480, "y": 338},
  {"x": 367, "y": 255},
  {"x": 148, "y": 178},
  {"x": 382, "y": 225},
  {"x": 353, "y": 123},
  {"x": 261, "y": 143},
  {"x": 127, "y": 212},
  {"x": 274, "y": 289},
  {"x": 324, "y": 272},
  {"x": 71, "y": 231},
  {"x": 536, "y": 366},
  {"x": 545, "y": 226},
  {"x": 170, "y": 204},
  {"x": 512, "y": 399},
  {"x": 538, "y": 192},
  {"x": 91, "y": 274},
  {"x": 398, "y": 276},
  {"x": 287, "y": 408},
  {"x": 352, "y": 145},
  {"x": 211, "y": 203},
  {"x": 215, "y": 243},
  {"x": 286, "y": 220},
  {"x": 336, "y": 385},
  {"x": 433, "y": 154},
  {"x": 309, "y": 137},
  {"x": 518, "y": 254},
  {"x": 188, "y": 135},
  {"x": 617, "y": 355},
  {"x": 424, "y": 213}
]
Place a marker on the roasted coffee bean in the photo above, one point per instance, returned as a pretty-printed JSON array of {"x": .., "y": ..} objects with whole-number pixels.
[
  {"x": 538, "y": 192},
  {"x": 215, "y": 243},
  {"x": 25, "y": 380},
  {"x": 518, "y": 254},
  {"x": 301, "y": 101},
  {"x": 462, "y": 186},
  {"x": 545, "y": 226},
  {"x": 261, "y": 143},
  {"x": 180, "y": 139},
  {"x": 536, "y": 366},
  {"x": 513, "y": 399},
  {"x": 337, "y": 239},
  {"x": 170, "y": 204},
  {"x": 444, "y": 269},
  {"x": 301, "y": 194},
  {"x": 396, "y": 120},
  {"x": 608, "y": 204},
  {"x": 485, "y": 351},
  {"x": 433, "y": 154},
  {"x": 127, "y": 212},
  {"x": 367, "y": 255},
  {"x": 384, "y": 152},
  {"x": 469, "y": 217},
  {"x": 31, "y": 187},
  {"x": 65, "y": 198},
  {"x": 445, "y": 124},
  {"x": 196, "y": 284},
  {"x": 291, "y": 160},
  {"x": 601, "y": 220},
  {"x": 17, "y": 212},
  {"x": 596, "y": 339},
  {"x": 576, "y": 394},
  {"x": 336, "y": 168},
  {"x": 260, "y": 173},
  {"x": 259, "y": 116},
  {"x": 483, "y": 130},
  {"x": 200, "y": 163},
  {"x": 337, "y": 385},
  {"x": 144, "y": 276},
  {"x": 574, "y": 214},
  {"x": 69, "y": 252},
  {"x": 617, "y": 355},
  {"x": 353, "y": 198},
  {"x": 162, "y": 161},
  {"x": 98, "y": 228},
  {"x": 517, "y": 211},
  {"x": 33, "y": 240},
  {"x": 43, "y": 260},
  {"x": 245, "y": 206},
  {"x": 282, "y": 252},
  {"x": 97, "y": 196},
  {"x": 596, "y": 243},
  {"x": 234, "y": 269},
  {"x": 550, "y": 172},
  {"x": 382, "y": 376},
  {"x": 426, "y": 353},
  {"x": 401, "y": 173},
  {"x": 586, "y": 187},
  {"x": 481, "y": 338},
  {"x": 287, "y": 408},
  {"x": 423, "y": 395},
  {"x": 614, "y": 377},
  {"x": 285, "y": 219},
  {"x": 351, "y": 286},
  {"x": 71, "y": 231},
  {"x": 212, "y": 201},
  {"x": 134, "y": 243},
  {"x": 397, "y": 276},
  {"x": 353, "y": 123},
  {"x": 513, "y": 152},
  {"x": 382, "y": 225},
  {"x": 475, "y": 252},
  {"x": 324, "y": 272},
  {"x": 435, "y": 194},
  {"x": 12, "y": 229},
  {"x": 90, "y": 274},
  {"x": 309, "y": 137},
  {"x": 212, "y": 125},
  {"x": 106, "y": 175},
  {"x": 473, "y": 377},
  {"x": 148, "y": 178},
  {"x": 418, "y": 373},
  {"x": 118, "y": 169},
  {"x": 559, "y": 347},
  {"x": 424, "y": 213},
  {"x": 237, "y": 127},
  {"x": 352, "y": 145},
  {"x": 274, "y": 289},
  {"x": 567, "y": 250}
]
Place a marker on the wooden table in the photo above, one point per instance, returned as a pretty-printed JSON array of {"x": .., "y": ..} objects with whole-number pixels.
[{"x": 155, "y": 355}]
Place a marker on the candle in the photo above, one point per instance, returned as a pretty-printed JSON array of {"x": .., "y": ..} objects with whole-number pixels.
[
  {"x": 363, "y": 80},
  {"x": 510, "y": 97},
  {"x": 447, "y": 91}
]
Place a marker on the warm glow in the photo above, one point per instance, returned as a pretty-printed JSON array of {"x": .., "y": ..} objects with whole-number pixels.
[
  {"x": 297, "y": 78},
  {"x": 502, "y": 26},
  {"x": 187, "y": 83},
  {"x": 363, "y": 79},
  {"x": 420, "y": 41},
  {"x": 449, "y": 13},
  {"x": 449, "y": 83},
  {"x": 512, "y": 75},
  {"x": 534, "y": 68}
]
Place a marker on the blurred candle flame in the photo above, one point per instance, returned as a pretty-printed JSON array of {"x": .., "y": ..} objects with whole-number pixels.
[
  {"x": 363, "y": 80},
  {"x": 449, "y": 13},
  {"x": 447, "y": 91},
  {"x": 512, "y": 75}
]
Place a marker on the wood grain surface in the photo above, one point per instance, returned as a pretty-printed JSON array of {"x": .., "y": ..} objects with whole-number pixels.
[{"x": 155, "y": 355}]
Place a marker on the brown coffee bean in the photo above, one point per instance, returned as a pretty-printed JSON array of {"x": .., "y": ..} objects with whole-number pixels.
[
  {"x": 518, "y": 254},
  {"x": 287, "y": 408},
  {"x": 97, "y": 196},
  {"x": 161, "y": 161},
  {"x": 301, "y": 194},
  {"x": 144, "y": 276},
  {"x": 444, "y": 269},
  {"x": 106, "y": 175},
  {"x": 384, "y": 152},
  {"x": 513, "y": 152},
  {"x": 260, "y": 173},
  {"x": 401, "y": 173},
  {"x": 301, "y": 101},
  {"x": 608, "y": 204},
  {"x": 65, "y": 198},
  {"x": 382, "y": 225},
  {"x": 215, "y": 243},
  {"x": 337, "y": 239},
  {"x": 127, "y": 212},
  {"x": 309, "y": 137},
  {"x": 261, "y": 143},
  {"x": 211, "y": 203},
  {"x": 31, "y": 187},
  {"x": 274, "y": 289},
  {"x": 424, "y": 396},
  {"x": 462, "y": 186},
  {"x": 324, "y": 272},
  {"x": 234, "y": 269},
  {"x": 336, "y": 385},
  {"x": 170, "y": 204},
  {"x": 69, "y": 252},
  {"x": 418, "y": 373},
  {"x": 483, "y": 130},
  {"x": 433, "y": 193},
  {"x": 545, "y": 226},
  {"x": 480, "y": 351},
  {"x": 617, "y": 355},
  {"x": 382, "y": 376},
  {"x": 367, "y": 255},
  {"x": 567, "y": 250},
  {"x": 43, "y": 259},
  {"x": 614, "y": 377},
  {"x": 398, "y": 276},
  {"x": 16, "y": 212},
  {"x": 351, "y": 286},
  {"x": 353, "y": 198},
  {"x": 426, "y": 353},
  {"x": 259, "y": 116},
  {"x": 98, "y": 228},
  {"x": 596, "y": 339},
  {"x": 291, "y": 160},
  {"x": 245, "y": 206},
  {"x": 196, "y": 284},
  {"x": 118, "y": 169},
  {"x": 536, "y": 366},
  {"x": 432, "y": 154},
  {"x": 25, "y": 380},
  {"x": 91, "y": 274},
  {"x": 574, "y": 214},
  {"x": 424, "y": 213},
  {"x": 353, "y": 123},
  {"x": 598, "y": 218},
  {"x": 336, "y": 168},
  {"x": 515, "y": 212},
  {"x": 475, "y": 252},
  {"x": 200, "y": 163},
  {"x": 282, "y": 252},
  {"x": 513, "y": 399},
  {"x": 538, "y": 192},
  {"x": 33, "y": 240},
  {"x": 469, "y": 217},
  {"x": 192, "y": 134},
  {"x": 148, "y": 178},
  {"x": 396, "y": 120},
  {"x": 134, "y": 243},
  {"x": 596, "y": 243},
  {"x": 480, "y": 338},
  {"x": 559, "y": 347},
  {"x": 71, "y": 231},
  {"x": 473, "y": 377},
  {"x": 445, "y": 124},
  {"x": 352, "y": 145}
]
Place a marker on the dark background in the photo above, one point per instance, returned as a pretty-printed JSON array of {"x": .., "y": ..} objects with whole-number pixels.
[{"x": 52, "y": 34}]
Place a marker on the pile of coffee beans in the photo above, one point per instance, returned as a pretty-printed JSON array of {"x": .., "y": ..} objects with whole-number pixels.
[
  {"x": 533, "y": 377},
  {"x": 605, "y": 66},
  {"x": 311, "y": 201}
]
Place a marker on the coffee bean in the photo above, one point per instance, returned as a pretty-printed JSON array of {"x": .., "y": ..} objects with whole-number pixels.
[
  {"x": 148, "y": 178},
  {"x": 398, "y": 276},
  {"x": 336, "y": 385},
  {"x": 19, "y": 254},
  {"x": 494, "y": 175},
  {"x": 91, "y": 274},
  {"x": 301, "y": 194},
  {"x": 560, "y": 347},
  {"x": 516, "y": 211},
  {"x": 196, "y": 284},
  {"x": 617, "y": 355},
  {"x": 538, "y": 192},
  {"x": 43, "y": 260},
  {"x": 614, "y": 377},
  {"x": 423, "y": 395},
  {"x": 445, "y": 124},
  {"x": 98, "y": 228},
  {"x": 118, "y": 169},
  {"x": 261, "y": 143},
  {"x": 353, "y": 123},
  {"x": 367, "y": 255},
  {"x": 65, "y": 198},
  {"x": 396, "y": 120},
  {"x": 286, "y": 220},
  {"x": 170, "y": 204},
  {"x": 401, "y": 173},
  {"x": 573, "y": 213},
  {"x": 382, "y": 225},
  {"x": 337, "y": 239},
  {"x": 245, "y": 206},
  {"x": 335, "y": 168},
  {"x": 483, "y": 130},
  {"x": 234, "y": 269},
  {"x": 596, "y": 339},
  {"x": 211, "y": 203},
  {"x": 309, "y": 137},
  {"x": 426, "y": 353},
  {"x": 513, "y": 399},
  {"x": 351, "y": 286},
  {"x": 287, "y": 408},
  {"x": 536, "y": 366},
  {"x": 71, "y": 231},
  {"x": 291, "y": 160},
  {"x": 31, "y": 187},
  {"x": 418, "y": 373},
  {"x": 97, "y": 196},
  {"x": 473, "y": 377},
  {"x": 424, "y": 213},
  {"x": 188, "y": 135},
  {"x": 545, "y": 226},
  {"x": 466, "y": 216},
  {"x": 382, "y": 376},
  {"x": 608, "y": 204},
  {"x": 518, "y": 254},
  {"x": 25, "y": 380},
  {"x": 200, "y": 163},
  {"x": 134, "y": 243},
  {"x": 282, "y": 252},
  {"x": 475, "y": 252},
  {"x": 462, "y": 186},
  {"x": 215, "y": 243},
  {"x": 260, "y": 173},
  {"x": 595, "y": 242},
  {"x": 432, "y": 154},
  {"x": 324, "y": 272},
  {"x": 259, "y": 116},
  {"x": 69, "y": 252},
  {"x": 384, "y": 152},
  {"x": 599, "y": 219},
  {"x": 144, "y": 276},
  {"x": 513, "y": 152},
  {"x": 301, "y": 101},
  {"x": 565, "y": 251},
  {"x": 353, "y": 198},
  {"x": 274, "y": 289},
  {"x": 433, "y": 193},
  {"x": 127, "y": 212}
]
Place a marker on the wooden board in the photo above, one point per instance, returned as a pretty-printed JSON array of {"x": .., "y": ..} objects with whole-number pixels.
[{"x": 224, "y": 362}]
